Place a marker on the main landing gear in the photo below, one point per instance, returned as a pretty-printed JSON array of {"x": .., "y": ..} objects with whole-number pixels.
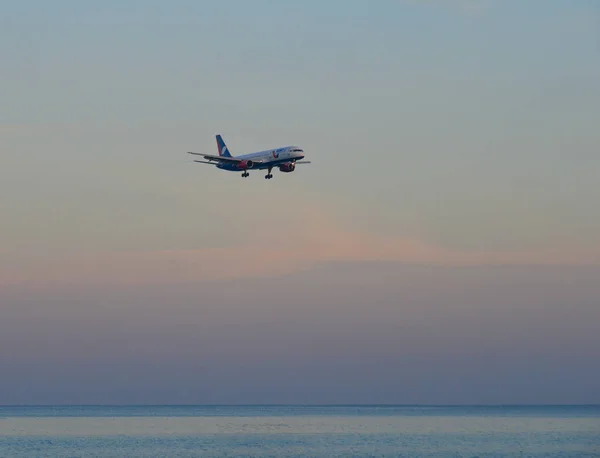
[
  {"x": 245, "y": 174},
  {"x": 269, "y": 175}
]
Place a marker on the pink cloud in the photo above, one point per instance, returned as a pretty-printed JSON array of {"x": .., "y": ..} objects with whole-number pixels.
[{"x": 318, "y": 240}]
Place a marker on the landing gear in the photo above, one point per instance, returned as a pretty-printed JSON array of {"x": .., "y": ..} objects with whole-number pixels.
[
  {"x": 245, "y": 174},
  {"x": 269, "y": 175}
]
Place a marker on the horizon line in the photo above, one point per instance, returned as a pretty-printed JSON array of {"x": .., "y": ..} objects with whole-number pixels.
[{"x": 304, "y": 405}]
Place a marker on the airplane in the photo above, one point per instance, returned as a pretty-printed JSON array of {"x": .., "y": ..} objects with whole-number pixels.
[{"x": 285, "y": 158}]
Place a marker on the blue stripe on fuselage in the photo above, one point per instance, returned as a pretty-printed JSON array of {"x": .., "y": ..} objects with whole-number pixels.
[{"x": 262, "y": 166}]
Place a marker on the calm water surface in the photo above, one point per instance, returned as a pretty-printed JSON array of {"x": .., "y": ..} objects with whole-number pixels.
[{"x": 293, "y": 431}]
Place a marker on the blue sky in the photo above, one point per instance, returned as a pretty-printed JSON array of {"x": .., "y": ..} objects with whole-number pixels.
[{"x": 454, "y": 134}]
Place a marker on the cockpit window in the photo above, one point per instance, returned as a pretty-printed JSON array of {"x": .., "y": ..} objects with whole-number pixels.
[{"x": 297, "y": 151}]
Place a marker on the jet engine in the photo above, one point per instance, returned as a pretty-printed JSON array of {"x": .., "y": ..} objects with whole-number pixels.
[
  {"x": 287, "y": 167},
  {"x": 245, "y": 164}
]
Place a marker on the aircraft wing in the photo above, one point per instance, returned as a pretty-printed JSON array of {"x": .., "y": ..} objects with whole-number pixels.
[
  {"x": 215, "y": 158},
  {"x": 212, "y": 157}
]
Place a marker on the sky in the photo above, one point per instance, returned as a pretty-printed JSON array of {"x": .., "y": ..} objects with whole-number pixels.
[{"x": 442, "y": 246}]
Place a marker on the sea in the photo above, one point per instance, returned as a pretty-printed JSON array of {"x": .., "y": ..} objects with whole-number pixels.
[{"x": 299, "y": 431}]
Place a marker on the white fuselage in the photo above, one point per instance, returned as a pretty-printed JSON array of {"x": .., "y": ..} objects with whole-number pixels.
[{"x": 268, "y": 158}]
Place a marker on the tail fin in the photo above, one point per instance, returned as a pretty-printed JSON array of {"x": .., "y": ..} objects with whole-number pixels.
[{"x": 222, "y": 147}]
